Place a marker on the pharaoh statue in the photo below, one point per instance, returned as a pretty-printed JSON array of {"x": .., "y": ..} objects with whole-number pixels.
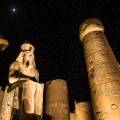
[{"x": 24, "y": 79}]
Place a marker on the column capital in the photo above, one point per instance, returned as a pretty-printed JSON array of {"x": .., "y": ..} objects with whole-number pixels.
[
  {"x": 3, "y": 43},
  {"x": 90, "y": 25}
]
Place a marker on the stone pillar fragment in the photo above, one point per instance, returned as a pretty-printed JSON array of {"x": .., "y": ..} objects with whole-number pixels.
[
  {"x": 72, "y": 116},
  {"x": 24, "y": 71},
  {"x": 103, "y": 70},
  {"x": 1, "y": 96},
  {"x": 82, "y": 111},
  {"x": 7, "y": 105},
  {"x": 56, "y": 104}
]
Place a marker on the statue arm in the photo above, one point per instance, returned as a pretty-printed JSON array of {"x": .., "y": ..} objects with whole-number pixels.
[{"x": 14, "y": 72}]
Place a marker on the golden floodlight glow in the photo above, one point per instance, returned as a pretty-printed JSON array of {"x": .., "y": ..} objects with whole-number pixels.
[{"x": 3, "y": 44}]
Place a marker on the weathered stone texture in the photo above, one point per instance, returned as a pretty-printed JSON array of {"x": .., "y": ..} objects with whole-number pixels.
[
  {"x": 82, "y": 111},
  {"x": 56, "y": 104},
  {"x": 103, "y": 70}
]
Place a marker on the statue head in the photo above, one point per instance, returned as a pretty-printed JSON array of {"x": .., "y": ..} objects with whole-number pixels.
[
  {"x": 24, "y": 65},
  {"x": 26, "y": 56},
  {"x": 27, "y": 46}
]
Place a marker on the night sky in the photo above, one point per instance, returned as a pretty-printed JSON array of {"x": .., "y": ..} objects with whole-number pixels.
[{"x": 53, "y": 28}]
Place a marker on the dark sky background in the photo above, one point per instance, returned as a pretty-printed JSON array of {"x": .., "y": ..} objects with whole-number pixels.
[{"x": 52, "y": 26}]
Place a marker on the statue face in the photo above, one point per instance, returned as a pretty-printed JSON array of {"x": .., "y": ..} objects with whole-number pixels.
[{"x": 28, "y": 58}]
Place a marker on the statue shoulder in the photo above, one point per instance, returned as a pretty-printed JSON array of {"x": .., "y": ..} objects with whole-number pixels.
[{"x": 14, "y": 64}]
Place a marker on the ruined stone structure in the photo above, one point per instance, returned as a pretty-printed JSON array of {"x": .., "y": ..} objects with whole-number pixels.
[
  {"x": 56, "y": 101},
  {"x": 82, "y": 111},
  {"x": 103, "y": 70},
  {"x": 23, "y": 96}
]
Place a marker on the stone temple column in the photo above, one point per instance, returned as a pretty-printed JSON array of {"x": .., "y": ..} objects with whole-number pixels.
[
  {"x": 56, "y": 104},
  {"x": 103, "y": 70},
  {"x": 82, "y": 111}
]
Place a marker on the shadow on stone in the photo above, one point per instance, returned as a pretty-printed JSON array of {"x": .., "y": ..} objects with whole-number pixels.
[
  {"x": 17, "y": 116},
  {"x": 47, "y": 117}
]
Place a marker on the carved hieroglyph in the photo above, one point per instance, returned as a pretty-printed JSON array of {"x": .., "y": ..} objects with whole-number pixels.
[
  {"x": 82, "y": 111},
  {"x": 103, "y": 70},
  {"x": 24, "y": 75},
  {"x": 56, "y": 104}
]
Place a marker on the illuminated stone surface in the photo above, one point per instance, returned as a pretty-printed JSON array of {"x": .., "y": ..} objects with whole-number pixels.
[
  {"x": 25, "y": 93},
  {"x": 7, "y": 104},
  {"x": 103, "y": 71},
  {"x": 3, "y": 43},
  {"x": 72, "y": 116},
  {"x": 82, "y": 111},
  {"x": 1, "y": 97},
  {"x": 56, "y": 104}
]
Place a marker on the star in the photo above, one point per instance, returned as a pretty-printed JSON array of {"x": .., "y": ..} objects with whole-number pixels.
[{"x": 13, "y": 9}]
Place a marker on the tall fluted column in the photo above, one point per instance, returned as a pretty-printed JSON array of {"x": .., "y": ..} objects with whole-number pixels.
[
  {"x": 56, "y": 104},
  {"x": 82, "y": 111},
  {"x": 103, "y": 70}
]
